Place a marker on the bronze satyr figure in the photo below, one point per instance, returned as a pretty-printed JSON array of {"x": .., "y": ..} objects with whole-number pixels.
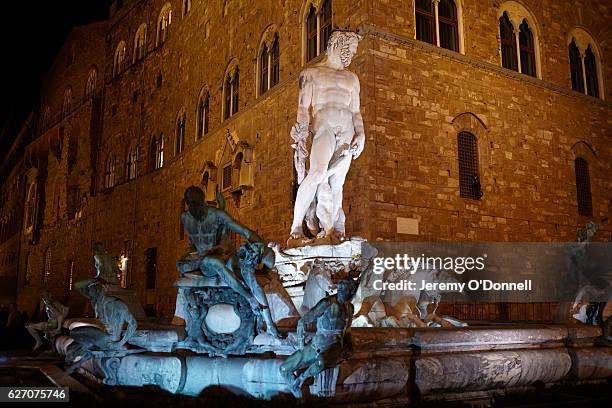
[{"x": 333, "y": 315}]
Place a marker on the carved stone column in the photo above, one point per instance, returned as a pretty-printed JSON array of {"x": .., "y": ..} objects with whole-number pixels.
[
  {"x": 518, "y": 47},
  {"x": 437, "y": 21},
  {"x": 584, "y": 78}
]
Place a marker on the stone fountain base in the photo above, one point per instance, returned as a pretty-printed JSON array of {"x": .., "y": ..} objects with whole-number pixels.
[{"x": 433, "y": 364}]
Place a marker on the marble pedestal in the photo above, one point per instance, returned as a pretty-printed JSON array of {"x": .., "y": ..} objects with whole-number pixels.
[{"x": 296, "y": 266}]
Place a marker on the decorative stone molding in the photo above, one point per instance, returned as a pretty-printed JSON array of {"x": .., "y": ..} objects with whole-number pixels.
[
  {"x": 203, "y": 92},
  {"x": 232, "y": 139},
  {"x": 306, "y": 7},
  {"x": 591, "y": 363},
  {"x": 243, "y": 173},
  {"x": 240, "y": 157},
  {"x": 243, "y": 165},
  {"x": 268, "y": 36},
  {"x": 296, "y": 265},
  {"x": 484, "y": 370},
  {"x": 230, "y": 69},
  {"x": 516, "y": 12},
  {"x": 582, "y": 149},
  {"x": 469, "y": 122},
  {"x": 451, "y": 364}
]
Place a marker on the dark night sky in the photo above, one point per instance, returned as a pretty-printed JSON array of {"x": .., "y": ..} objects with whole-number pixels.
[{"x": 32, "y": 33}]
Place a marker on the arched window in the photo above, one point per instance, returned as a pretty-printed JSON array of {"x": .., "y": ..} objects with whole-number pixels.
[
  {"x": 227, "y": 91},
  {"x": 318, "y": 26},
  {"x": 163, "y": 24},
  {"x": 110, "y": 171},
  {"x": 180, "y": 134},
  {"x": 585, "y": 63},
  {"x": 132, "y": 163},
  {"x": 518, "y": 37},
  {"x": 311, "y": 33},
  {"x": 235, "y": 88},
  {"x": 186, "y": 7},
  {"x": 157, "y": 152},
  {"x": 119, "y": 59},
  {"x": 469, "y": 174},
  {"x": 231, "y": 96},
  {"x": 46, "y": 275},
  {"x": 269, "y": 64},
  {"x": 67, "y": 104},
  {"x": 203, "y": 106},
  {"x": 264, "y": 65},
  {"x": 508, "y": 43},
  {"x": 576, "y": 67},
  {"x": 583, "y": 187},
  {"x": 527, "y": 50},
  {"x": 30, "y": 210},
  {"x": 590, "y": 70},
  {"x": 140, "y": 43},
  {"x": 425, "y": 21},
  {"x": 92, "y": 79},
  {"x": 275, "y": 62}
]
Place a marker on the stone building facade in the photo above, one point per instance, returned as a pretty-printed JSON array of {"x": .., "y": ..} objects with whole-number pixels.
[{"x": 180, "y": 98}]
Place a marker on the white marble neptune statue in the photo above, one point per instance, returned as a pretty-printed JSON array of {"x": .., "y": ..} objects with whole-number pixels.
[{"x": 330, "y": 93}]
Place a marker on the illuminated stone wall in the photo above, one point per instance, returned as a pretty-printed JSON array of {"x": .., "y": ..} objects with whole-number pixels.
[{"x": 415, "y": 98}]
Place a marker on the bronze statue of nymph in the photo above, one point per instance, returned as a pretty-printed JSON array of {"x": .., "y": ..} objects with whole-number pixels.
[{"x": 56, "y": 313}]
